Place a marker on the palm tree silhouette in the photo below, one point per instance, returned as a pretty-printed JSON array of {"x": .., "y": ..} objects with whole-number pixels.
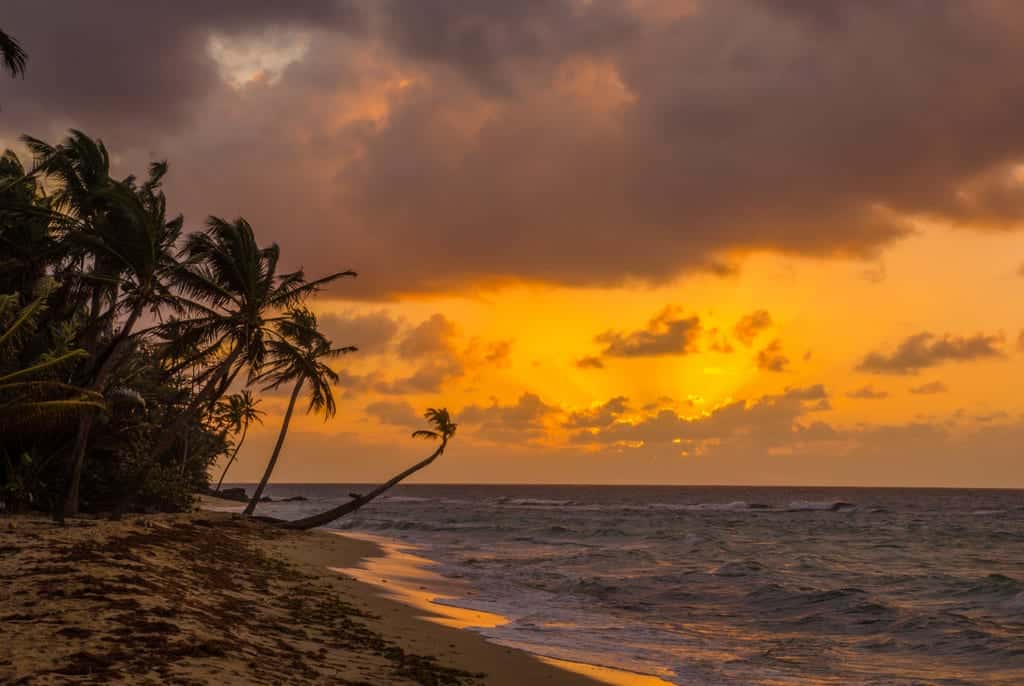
[
  {"x": 296, "y": 355},
  {"x": 12, "y": 55},
  {"x": 229, "y": 297},
  {"x": 443, "y": 430},
  {"x": 120, "y": 232},
  {"x": 230, "y": 292},
  {"x": 241, "y": 411}
]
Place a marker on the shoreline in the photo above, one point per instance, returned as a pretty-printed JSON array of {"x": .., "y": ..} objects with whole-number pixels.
[
  {"x": 331, "y": 556},
  {"x": 406, "y": 577},
  {"x": 209, "y": 598},
  {"x": 393, "y": 574}
]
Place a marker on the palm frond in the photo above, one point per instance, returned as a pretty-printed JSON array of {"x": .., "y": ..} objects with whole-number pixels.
[
  {"x": 14, "y": 57},
  {"x": 43, "y": 366},
  {"x": 24, "y": 318},
  {"x": 45, "y": 414}
]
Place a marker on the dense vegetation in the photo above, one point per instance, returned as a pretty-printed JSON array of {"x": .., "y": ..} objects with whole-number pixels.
[{"x": 121, "y": 337}]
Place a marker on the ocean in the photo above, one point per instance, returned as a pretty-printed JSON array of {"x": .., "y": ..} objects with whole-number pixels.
[{"x": 724, "y": 585}]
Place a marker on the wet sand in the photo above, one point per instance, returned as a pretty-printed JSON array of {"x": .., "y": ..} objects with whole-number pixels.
[
  {"x": 209, "y": 598},
  {"x": 398, "y": 574}
]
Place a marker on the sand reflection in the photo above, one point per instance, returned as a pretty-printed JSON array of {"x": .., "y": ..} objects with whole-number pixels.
[
  {"x": 408, "y": 578},
  {"x": 617, "y": 677}
]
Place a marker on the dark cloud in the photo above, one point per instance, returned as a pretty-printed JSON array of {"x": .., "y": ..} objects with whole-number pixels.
[
  {"x": 351, "y": 383},
  {"x": 432, "y": 337},
  {"x": 747, "y": 328},
  {"x": 771, "y": 358},
  {"x": 804, "y": 393},
  {"x": 491, "y": 41},
  {"x": 431, "y": 348},
  {"x": 590, "y": 362},
  {"x": 772, "y": 419},
  {"x": 523, "y": 420},
  {"x": 435, "y": 144},
  {"x": 371, "y": 333},
  {"x": 924, "y": 350},
  {"x": 131, "y": 70},
  {"x": 598, "y": 417},
  {"x": 397, "y": 413},
  {"x": 430, "y": 378},
  {"x": 867, "y": 393},
  {"x": 929, "y": 388},
  {"x": 668, "y": 333}
]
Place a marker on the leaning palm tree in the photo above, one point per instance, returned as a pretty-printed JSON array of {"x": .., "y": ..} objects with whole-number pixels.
[
  {"x": 231, "y": 294},
  {"x": 12, "y": 55},
  {"x": 443, "y": 430},
  {"x": 296, "y": 355},
  {"x": 241, "y": 411}
]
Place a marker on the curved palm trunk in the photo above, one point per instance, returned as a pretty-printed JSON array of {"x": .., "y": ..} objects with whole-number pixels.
[
  {"x": 251, "y": 507},
  {"x": 234, "y": 456},
  {"x": 356, "y": 503}
]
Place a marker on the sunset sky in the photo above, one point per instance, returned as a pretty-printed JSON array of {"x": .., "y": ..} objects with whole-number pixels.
[{"x": 634, "y": 241}]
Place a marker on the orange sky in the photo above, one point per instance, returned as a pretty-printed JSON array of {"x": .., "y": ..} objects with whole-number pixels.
[
  {"x": 826, "y": 316},
  {"x": 562, "y": 211}
]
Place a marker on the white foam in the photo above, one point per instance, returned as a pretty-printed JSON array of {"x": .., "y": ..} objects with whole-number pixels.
[{"x": 735, "y": 506}]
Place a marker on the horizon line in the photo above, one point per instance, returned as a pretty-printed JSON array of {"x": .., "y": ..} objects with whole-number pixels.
[{"x": 629, "y": 485}]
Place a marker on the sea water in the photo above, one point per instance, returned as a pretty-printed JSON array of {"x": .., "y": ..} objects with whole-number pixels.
[{"x": 724, "y": 585}]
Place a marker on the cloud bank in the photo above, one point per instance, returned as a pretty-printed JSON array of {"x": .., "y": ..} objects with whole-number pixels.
[{"x": 435, "y": 145}]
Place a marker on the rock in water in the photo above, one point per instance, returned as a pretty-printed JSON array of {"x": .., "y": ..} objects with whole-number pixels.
[{"x": 237, "y": 494}]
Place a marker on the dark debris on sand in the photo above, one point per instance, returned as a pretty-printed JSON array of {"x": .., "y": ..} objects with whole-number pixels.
[{"x": 178, "y": 600}]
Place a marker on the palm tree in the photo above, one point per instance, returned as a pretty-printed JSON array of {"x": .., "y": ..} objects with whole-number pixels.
[
  {"x": 241, "y": 411},
  {"x": 443, "y": 430},
  {"x": 30, "y": 396},
  {"x": 122, "y": 231},
  {"x": 232, "y": 295},
  {"x": 13, "y": 55},
  {"x": 295, "y": 355},
  {"x": 229, "y": 295},
  {"x": 28, "y": 249}
]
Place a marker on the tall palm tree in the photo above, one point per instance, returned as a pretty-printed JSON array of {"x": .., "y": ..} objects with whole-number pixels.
[
  {"x": 296, "y": 356},
  {"x": 443, "y": 430},
  {"x": 241, "y": 411},
  {"x": 230, "y": 297},
  {"x": 122, "y": 232},
  {"x": 12, "y": 55}
]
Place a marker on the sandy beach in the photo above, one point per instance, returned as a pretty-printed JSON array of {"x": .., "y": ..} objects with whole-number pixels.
[{"x": 209, "y": 598}]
